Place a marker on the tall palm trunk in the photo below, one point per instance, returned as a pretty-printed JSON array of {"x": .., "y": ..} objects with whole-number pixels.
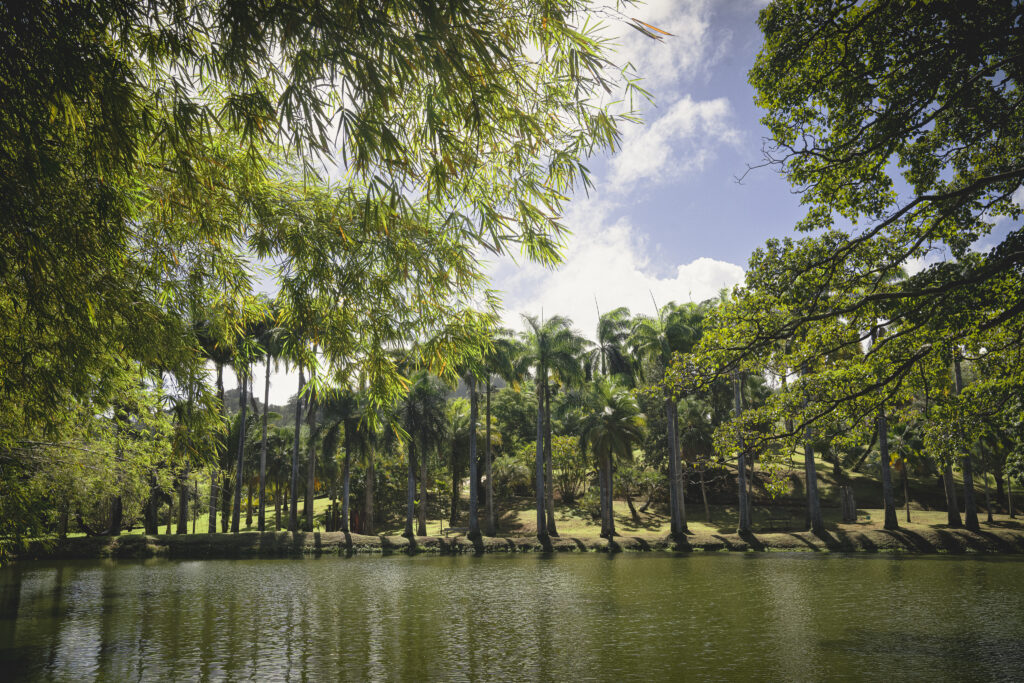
[
  {"x": 368, "y": 492},
  {"x": 542, "y": 532},
  {"x": 410, "y": 492},
  {"x": 261, "y": 519},
  {"x": 888, "y": 499},
  {"x": 277, "y": 508},
  {"x": 214, "y": 492},
  {"x": 421, "y": 527},
  {"x": 474, "y": 517},
  {"x": 293, "y": 512},
  {"x": 970, "y": 508},
  {"x": 741, "y": 466},
  {"x": 548, "y": 469},
  {"x": 814, "y": 521},
  {"x": 608, "y": 527},
  {"x": 453, "y": 515},
  {"x": 675, "y": 497},
  {"x": 183, "y": 493},
  {"x": 310, "y": 471},
  {"x": 236, "y": 513},
  {"x": 346, "y": 477},
  {"x": 248, "y": 504},
  {"x": 952, "y": 508},
  {"x": 487, "y": 466}
]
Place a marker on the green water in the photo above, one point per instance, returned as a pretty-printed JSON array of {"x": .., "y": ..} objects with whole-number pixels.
[{"x": 571, "y": 617}]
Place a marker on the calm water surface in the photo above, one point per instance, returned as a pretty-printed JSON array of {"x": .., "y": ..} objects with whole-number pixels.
[{"x": 570, "y": 617}]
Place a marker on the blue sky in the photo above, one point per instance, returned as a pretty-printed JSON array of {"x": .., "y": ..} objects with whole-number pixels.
[{"x": 667, "y": 216}]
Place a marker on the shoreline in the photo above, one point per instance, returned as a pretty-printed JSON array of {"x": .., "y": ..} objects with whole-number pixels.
[{"x": 311, "y": 544}]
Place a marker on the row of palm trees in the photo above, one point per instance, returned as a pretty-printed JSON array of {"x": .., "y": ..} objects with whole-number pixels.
[{"x": 628, "y": 351}]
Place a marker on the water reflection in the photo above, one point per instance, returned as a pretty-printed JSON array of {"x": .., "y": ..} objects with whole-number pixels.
[{"x": 589, "y": 617}]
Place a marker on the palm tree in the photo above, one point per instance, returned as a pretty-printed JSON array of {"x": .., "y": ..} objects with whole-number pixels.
[
  {"x": 220, "y": 353},
  {"x": 342, "y": 414},
  {"x": 611, "y": 425},
  {"x": 269, "y": 339},
  {"x": 675, "y": 330},
  {"x": 504, "y": 359},
  {"x": 551, "y": 348},
  {"x": 422, "y": 415},
  {"x": 610, "y": 355}
]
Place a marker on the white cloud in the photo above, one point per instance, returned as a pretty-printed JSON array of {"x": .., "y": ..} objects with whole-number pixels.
[
  {"x": 682, "y": 55},
  {"x": 607, "y": 260},
  {"x": 680, "y": 141}
]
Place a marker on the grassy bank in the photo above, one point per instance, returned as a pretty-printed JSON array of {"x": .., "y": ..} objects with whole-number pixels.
[{"x": 847, "y": 538}]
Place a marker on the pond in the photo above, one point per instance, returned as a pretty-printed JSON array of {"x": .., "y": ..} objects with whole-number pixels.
[{"x": 567, "y": 617}]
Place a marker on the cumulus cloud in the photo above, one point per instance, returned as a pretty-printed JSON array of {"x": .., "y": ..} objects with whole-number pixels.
[
  {"x": 681, "y": 140},
  {"x": 605, "y": 259}
]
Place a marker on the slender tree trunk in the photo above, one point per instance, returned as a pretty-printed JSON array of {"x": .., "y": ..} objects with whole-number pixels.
[
  {"x": 248, "y": 504},
  {"x": 236, "y": 513},
  {"x": 952, "y": 509},
  {"x": 277, "y": 508},
  {"x": 62, "y": 522},
  {"x": 453, "y": 514},
  {"x": 887, "y": 495},
  {"x": 310, "y": 472},
  {"x": 346, "y": 479},
  {"x": 410, "y": 492},
  {"x": 183, "y": 492},
  {"x": 704, "y": 495},
  {"x": 421, "y": 528},
  {"x": 170, "y": 515},
  {"x": 680, "y": 481},
  {"x": 293, "y": 495},
  {"x": 474, "y": 515},
  {"x": 490, "y": 529},
  {"x": 814, "y": 521},
  {"x": 610, "y": 495},
  {"x": 676, "y": 528},
  {"x": 1009, "y": 497},
  {"x": 988, "y": 498},
  {"x": 261, "y": 517},
  {"x": 542, "y": 532},
  {"x": 225, "y": 504},
  {"x": 741, "y": 466},
  {"x": 906, "y": 488},
  {"x": 548, "y": 469},
  {"x": 214, "y": 488},
  {"x": 970, "y": 507},
  {"x": 998, "y": 476},
  {"x": 195, "y": 506},
  {"x": 368, "y": 493}
]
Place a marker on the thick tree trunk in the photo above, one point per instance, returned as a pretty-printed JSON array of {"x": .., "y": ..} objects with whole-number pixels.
[
  {"x": 236, "y": 512},
  {"x": 116, "y": 516},
  {"x": 548, "y": 468},
  {"x": 952, "y": 509},
  {"x": 261, "y": 516},
  {"x": 151, "y": 510},
  {"x": 887, "y": 495},
  {"x": 421, "y": 528},
  {"x": 293, "y": 494},
  {"x": 490, "y": 529},
  {"x": 474, "y": 516},
  {"x": 970, "y": 507},
  {"x": 741, "y": 467},
  {"x": 542, "y": 532}
]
